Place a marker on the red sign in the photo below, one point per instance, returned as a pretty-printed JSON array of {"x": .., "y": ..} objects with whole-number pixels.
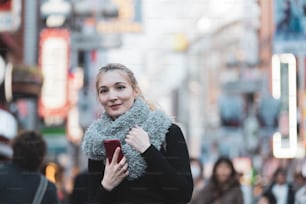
[
  {"x": 5, "y": 5},
  {"x": 54, "y": 51}
]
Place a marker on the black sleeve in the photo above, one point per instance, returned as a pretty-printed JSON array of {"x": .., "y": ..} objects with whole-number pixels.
[
  {"x": 175, "y": 182},
  {"x": 96, "y": 192},
  {"x": 79, "y": 194},
  {"x": 50, "y": 196}
]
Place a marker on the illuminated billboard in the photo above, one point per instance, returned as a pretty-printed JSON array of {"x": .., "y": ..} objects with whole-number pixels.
[
  {"x": 54, "y": 58},
  {"x": 284, "y": 88}
]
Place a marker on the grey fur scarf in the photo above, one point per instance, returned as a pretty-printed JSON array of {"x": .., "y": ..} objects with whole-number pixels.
[{"x": 155, "y": 123}]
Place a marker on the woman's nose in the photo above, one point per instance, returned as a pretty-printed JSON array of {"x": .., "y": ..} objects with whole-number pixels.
[{"x": 113, "y": 95}]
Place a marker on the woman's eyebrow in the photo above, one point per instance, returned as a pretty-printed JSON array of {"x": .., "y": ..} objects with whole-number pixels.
[{"x": 117, "y": 83}]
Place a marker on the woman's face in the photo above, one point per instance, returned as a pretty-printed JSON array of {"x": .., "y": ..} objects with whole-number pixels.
[
  {"x": 115, "y": 92},
  {"x": 223, "y": 172},
  {"x": 280, "y": 178}
]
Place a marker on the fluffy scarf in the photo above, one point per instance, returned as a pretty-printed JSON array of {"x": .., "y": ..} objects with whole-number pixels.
[{"x": 155, "y": 123}]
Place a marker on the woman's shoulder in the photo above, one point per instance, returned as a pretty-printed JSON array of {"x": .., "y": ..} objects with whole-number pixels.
[
  {"x": 174, "y": 127},
  {"x": 174, "y": 134},
  {"x": 174, "y": 130}
]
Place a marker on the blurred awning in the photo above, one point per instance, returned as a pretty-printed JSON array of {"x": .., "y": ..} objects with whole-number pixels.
[{"x": 26, "y": 81}]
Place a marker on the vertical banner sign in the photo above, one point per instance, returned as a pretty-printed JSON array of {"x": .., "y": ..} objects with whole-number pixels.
[
  {"x": 284, "y": 88},
  {"x": 54, "y": 63}
]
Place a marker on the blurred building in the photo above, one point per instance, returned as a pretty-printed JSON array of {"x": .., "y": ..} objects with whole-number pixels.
[
  {"x": 20, "y": 81},
  {"x": 222, "y": 70}
]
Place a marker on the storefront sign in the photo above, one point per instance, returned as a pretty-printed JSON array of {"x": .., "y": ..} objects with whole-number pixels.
[
  {"x": 129, "y": 18},
  {"x": 10, "y": 12},
  {"x": 54, "y": 64}
]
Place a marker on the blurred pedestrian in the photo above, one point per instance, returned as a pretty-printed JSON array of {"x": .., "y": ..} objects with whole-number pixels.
[
  {"x": 20, "y": 180},
  {"x": 223, "y": 187},
  {"x": 8, "y": 130},
  {"x": 198, "y": 177},
  {"x": 300, "y": 195},
  {"x": 60, "y": 183},
  {"x": 298, "y": 180},
  {"x": 79, "y": 193},
  {"x": 155, "y": 167},
  {"x": 281, "y": 188},
  {"x": 267, "y": 197}
]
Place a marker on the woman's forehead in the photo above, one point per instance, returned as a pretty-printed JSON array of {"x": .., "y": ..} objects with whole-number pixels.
[{"x": 113, "y": 77}]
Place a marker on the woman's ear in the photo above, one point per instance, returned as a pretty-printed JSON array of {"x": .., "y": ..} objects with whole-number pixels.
[{"x": 137, "y": 91}]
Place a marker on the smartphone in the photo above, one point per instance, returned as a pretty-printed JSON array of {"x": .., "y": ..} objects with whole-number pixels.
[{"x": 110, "y": 147}]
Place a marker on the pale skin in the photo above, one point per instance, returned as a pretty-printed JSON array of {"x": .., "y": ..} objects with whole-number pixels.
[
  {"x": 223, "y": 172},
  {"x": 117, "y": 95}
]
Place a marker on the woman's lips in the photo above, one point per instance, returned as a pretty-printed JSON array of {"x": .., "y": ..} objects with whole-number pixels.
[{"x": 115, "y": 107}]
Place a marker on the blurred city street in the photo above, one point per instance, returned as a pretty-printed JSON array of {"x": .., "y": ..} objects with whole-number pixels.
[{"x": 231, "y": 73}]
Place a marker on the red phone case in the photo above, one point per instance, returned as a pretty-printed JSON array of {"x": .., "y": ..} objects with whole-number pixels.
[{"x": 110, "y": 147}]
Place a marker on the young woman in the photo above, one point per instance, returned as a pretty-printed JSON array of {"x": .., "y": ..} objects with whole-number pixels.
[
  {"x": 155, "y": 167},
  {"x": 223, "y": 187}
]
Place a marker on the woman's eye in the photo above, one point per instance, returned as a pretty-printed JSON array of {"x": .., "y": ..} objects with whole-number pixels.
[
  {"x": 121, "y": 87},
  {"x": 103, "y": 91}
]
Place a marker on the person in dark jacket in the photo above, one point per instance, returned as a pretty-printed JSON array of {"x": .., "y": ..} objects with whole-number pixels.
[
  {"x": 21, "y": 180},
  {"x": 281, "y": 188},
  {"x": 155, "y": 167},
  {"x": 79, "y": 193},
  {"x": 197, "y": 169},
  {"x": 223, "y": 187}
]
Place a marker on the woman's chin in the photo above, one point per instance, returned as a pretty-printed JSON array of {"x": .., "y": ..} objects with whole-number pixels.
[{"x": 114, "y": 115}]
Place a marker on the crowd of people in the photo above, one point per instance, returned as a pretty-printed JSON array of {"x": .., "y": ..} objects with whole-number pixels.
[
  {"x": 155, "y": 168},
  {"x": 224, "y": 186}
]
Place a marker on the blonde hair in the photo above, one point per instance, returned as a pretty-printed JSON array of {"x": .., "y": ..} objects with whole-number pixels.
[{"x": 130, "y": 75}]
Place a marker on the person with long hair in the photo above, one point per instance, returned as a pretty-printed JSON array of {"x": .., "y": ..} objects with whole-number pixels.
[{"x": 223, "y": 187}]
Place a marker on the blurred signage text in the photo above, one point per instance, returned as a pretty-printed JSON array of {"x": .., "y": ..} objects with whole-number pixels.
[{"x": 54, "y": 63}]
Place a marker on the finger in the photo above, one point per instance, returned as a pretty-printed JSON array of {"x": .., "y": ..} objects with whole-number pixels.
[
  {"x": 128, "y": 139},
  {"x": 138, "y": 128},
  {"x": 116, "y": 155},
  {"x": 135, "y": 128},
  {"x": 125, "y": 167},
  {"x": 123, "y": 161},
  {"x": 107, "y": 162}
]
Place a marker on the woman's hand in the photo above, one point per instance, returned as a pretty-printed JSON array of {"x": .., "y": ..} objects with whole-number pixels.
[
  {"x": 114, "y": 172},
  {"x": 138, "y": 139}
]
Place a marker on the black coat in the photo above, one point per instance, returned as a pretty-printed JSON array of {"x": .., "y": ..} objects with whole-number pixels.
[
  {"x": 290, "y": 195},
  {"x": 167, "y": 179},
  {"x": 79, "y": 193},
  {"x": 18, "y": 186}
]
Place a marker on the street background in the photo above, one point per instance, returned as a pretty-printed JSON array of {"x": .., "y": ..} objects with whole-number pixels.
[{"x": 230, "y": 72}]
